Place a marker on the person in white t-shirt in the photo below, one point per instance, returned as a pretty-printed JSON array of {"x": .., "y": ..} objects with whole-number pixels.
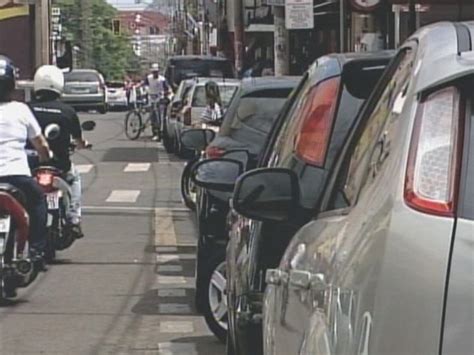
[{"x": 17, "y": 126}]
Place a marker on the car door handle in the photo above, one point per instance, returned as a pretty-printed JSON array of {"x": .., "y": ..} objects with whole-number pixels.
[
  {"x": 307, "y": 280},
  {"x": 276, "y": 277}
]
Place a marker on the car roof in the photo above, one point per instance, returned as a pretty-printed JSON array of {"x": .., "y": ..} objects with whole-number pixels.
[
  {"x": 197, "y": 57},
  {"x": 268, "y": 82},
  {"x": 202, "y": 81},
  {"x": 442, "y": 59},
  {"x": 83, "y": 71}
]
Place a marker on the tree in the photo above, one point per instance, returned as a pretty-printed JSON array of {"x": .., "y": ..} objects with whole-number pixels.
[{"x": 111, "y": 54}]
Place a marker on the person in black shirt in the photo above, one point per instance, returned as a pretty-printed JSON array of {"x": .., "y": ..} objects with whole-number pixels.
[{"x": 49, "y": 109}]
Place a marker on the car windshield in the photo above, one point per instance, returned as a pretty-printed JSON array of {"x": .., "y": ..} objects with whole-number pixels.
[
  {"x": 81, "y": 77},
  {"x": 186, "y": 69},
  {"x": 253, "y": 116},
  {"x": 226, "y": 92},
  {"x": 116, "y": 85}
]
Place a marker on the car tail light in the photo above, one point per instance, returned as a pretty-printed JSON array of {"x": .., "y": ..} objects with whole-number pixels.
[
  {"x": 45, "y": 179},
  {"x": 187, "y": 116},
  {"x": 214, "y": 152},
  {"x": 434, "y": 159},
  {"x": 318, "y": 117}
]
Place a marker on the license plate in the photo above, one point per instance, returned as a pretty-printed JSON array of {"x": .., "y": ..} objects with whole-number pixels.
[
  {"x": 79, "y": 91},
  {"x": 4, "y": 224},
  {"x": 53, "y": 200}
]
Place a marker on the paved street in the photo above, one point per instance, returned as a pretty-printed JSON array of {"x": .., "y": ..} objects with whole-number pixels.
[{"x": 127, "y": 287}]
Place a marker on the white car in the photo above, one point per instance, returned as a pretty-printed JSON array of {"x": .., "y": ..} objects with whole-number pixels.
[
  {"x": 194, "y": 104},
  {"x": 117, "y": 95}
]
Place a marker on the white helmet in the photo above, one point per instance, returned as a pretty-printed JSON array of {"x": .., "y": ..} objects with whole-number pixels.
[
  {"x": 49, "y": 77},
  {"x": 155, "y": 67}
]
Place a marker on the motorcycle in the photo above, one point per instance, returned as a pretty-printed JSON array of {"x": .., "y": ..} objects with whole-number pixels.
[
  {"x": 16, "y": 263},
  {"x": 58, "y": 198}
]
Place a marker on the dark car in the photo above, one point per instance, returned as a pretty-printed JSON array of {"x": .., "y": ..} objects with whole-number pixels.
[
  {"x": 184, "y": 67},
  {"x": 387, "y": 266},
  {"x": 170, "y": 141},
  {"x": 306, "y": 140},
  {"x": 247, "y": 123}
]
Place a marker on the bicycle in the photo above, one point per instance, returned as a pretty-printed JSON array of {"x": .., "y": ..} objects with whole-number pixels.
[{"x": 134, "y": 125}]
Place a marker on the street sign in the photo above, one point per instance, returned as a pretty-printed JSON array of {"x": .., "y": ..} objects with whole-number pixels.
[{"x": 299, "y": 14}]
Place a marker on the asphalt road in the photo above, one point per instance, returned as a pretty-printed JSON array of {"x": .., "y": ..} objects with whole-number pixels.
[{"x": 127, "y": 287}]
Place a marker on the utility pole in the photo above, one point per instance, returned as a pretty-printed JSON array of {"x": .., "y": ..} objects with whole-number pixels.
[
  {"x": 282, "y": 42},
  {"x": 239, "y": 35},
  {"x": 86, "y": 33}
]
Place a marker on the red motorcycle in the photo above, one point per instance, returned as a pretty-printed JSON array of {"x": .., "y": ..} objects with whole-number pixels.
[{"x": 16, "y": 264}]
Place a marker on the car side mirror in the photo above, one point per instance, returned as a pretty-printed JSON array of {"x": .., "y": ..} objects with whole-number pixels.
[
  {"x": 88, "y": 126},
  {"x": 197, "y": 139},
  {"x": 268, "y": 194},
  {"x": 177, "y": 104},
  {"x": 218, "y": 174}
]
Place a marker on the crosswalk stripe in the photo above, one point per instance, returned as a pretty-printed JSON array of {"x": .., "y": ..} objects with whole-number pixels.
[
  {"x": 176, "y": 327},
  {"x": 84, "y": 168},
  {"x": 137, "y": 167},
  {"x": 123, "y": 196}
]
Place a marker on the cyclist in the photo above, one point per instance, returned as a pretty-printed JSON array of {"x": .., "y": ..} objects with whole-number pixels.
[
  {"x": 48, "y": 109},
  {"x": 17, "y": 126},
  {"x": 158, "y": 88}
]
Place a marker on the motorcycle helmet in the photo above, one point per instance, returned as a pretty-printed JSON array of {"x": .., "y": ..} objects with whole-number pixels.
[
  {"x": 49, "y": 78},
  {"x": 7, "y": 76}
]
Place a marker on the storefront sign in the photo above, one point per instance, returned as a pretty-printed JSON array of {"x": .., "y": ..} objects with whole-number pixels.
[
  {"x": 299, "y": 14},
  {"x": 274, "y": 2},
  {"x": 366, "y": 5}
]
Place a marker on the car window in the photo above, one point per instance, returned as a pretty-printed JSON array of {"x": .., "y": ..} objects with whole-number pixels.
[
  {"x": 115, "y": 85},
  {"x": 254, "y": 117},
  {"x": 383, "y": 115},
  {"x": 226, "y": 92},
  {"x": 81, "y": 77}
]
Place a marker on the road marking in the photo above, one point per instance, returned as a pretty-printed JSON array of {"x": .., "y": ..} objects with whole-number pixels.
[
  {"x": 177, "y": 349},
  {"x": 170, "y": 268},
  {"x": 123, "y": 196},
  {"x": 166, "y": 258},
  {"x": 84, "y": 168},
  {"x": 165, "y": 234},
  {"x": 176, "y": 327},
  {"x": 174, "y": 308},
  {"x": 171, "y": 280},
  {"x": 137, "y": 167},
  {"x": 172, "y": 292}
]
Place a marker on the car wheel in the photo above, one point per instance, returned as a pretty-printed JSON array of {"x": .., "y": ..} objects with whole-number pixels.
[
  {"x": 102, "y": 109},
  {"x": 215, "y": 307},
  {"x": 167, "y": 141},
  {"x": 188, "y": 189}
]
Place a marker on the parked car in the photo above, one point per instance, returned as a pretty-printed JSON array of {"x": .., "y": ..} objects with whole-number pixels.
[
  {"x": 84, "y": 89},
  {"x": 170, "y": 140},
  {"x": 195, "y": 103},
  {"x": 184, "y": 67},
  {"x": 387, "y": 267},
  {"x": 116, "y": 95},
  {"x": 306, "y": 140},
  {"x": 246, "y": 126}
]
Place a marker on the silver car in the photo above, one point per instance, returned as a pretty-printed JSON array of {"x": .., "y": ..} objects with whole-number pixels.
[
  {"x": 388, "y": 267},
  {"x": 84, "y": 89}
]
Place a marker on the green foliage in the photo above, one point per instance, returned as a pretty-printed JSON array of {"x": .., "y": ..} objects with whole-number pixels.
[{"x": 110, "y": 54}]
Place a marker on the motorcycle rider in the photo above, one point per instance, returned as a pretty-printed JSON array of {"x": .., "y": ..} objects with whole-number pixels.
[
  {"x": 49, "y": 109},
  {"x": 157, "y": 88},
  {"x": 17, "y": 126}
]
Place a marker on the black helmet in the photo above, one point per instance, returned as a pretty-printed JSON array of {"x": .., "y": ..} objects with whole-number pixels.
[{"x": 7, "y": 75}]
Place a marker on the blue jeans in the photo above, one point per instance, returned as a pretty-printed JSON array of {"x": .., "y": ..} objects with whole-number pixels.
[
  {"x": 35, "y": 206},
  {"x": 74, "y": 213}
]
